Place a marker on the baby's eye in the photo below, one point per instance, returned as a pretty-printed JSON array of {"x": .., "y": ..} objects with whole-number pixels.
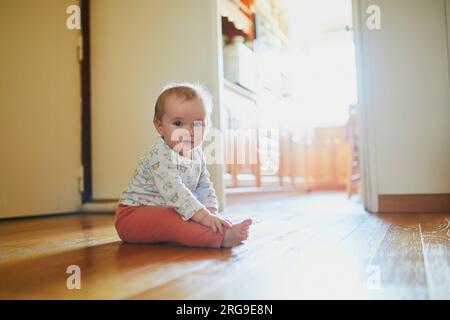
[{"x": 178, "y": 123}]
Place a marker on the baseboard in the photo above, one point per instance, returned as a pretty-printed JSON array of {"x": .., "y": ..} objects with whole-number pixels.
[
  {"x": 414, "y": 203},
  {"x": 40, "y": 216}
]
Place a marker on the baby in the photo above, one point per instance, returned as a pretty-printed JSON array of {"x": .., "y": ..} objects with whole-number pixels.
[{"x": 170, "y": 198}]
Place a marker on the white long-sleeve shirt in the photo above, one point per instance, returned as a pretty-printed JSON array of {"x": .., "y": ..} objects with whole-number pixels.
[{"x": 165, "y": 178}]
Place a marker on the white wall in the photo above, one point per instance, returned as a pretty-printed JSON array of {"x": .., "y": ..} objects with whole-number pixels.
[
  {"x": 40, "y": 109},
  {"x": 137, "y": 46},
  {"x": 404, "y": 95}
]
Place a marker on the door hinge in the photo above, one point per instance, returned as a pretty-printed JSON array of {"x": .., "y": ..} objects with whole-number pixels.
[{"x": 80, "y": 48}]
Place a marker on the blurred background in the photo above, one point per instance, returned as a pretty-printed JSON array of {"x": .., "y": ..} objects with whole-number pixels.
[{"x": 302, "y": 81}]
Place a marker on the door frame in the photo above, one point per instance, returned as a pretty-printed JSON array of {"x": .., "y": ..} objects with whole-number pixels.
[
  {"x": 86, "y": 128},
  {"x": 365, "y": 110}
]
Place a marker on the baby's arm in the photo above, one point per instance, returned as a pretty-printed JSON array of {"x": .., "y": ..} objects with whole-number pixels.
[{"x": 205, "y": 191}]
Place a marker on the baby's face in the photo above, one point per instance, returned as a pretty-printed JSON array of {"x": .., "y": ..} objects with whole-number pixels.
[{"x": 182, "y": 124}]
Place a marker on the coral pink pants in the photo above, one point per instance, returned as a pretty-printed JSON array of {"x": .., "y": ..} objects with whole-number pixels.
[{"x": 151, "y": 224}]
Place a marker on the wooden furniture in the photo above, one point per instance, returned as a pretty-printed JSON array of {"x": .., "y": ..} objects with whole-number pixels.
[
  {"x": 237, "y": 19},
  {"x": 327, "y": 158},
  {"x": 244, "y": 109}
]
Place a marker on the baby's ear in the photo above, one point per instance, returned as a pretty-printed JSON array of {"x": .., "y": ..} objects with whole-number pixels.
[{"x": 157, "y": 123}]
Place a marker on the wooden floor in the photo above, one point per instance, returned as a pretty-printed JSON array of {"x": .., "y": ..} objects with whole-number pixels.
[{"x": 300, "y": 247}]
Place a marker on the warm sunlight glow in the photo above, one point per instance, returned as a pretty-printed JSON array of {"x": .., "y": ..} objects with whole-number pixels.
[{"x": 321, "y": 62}]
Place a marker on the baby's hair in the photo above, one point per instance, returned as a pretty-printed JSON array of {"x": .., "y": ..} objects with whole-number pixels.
[{"x": 185, "y": 91}]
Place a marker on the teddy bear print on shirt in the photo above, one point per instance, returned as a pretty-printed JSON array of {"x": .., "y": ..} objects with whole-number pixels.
[
  {"x": 167, "y": 186},
  {"x": 155, "y": 166},
  {"x": 174, "y": 198}
]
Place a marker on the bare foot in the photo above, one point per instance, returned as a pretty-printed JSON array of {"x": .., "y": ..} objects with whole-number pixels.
[{"x": 236, "y": 234}]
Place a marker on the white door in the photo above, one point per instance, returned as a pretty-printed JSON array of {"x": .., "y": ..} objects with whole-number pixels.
[{"x": 40, "y": 109}]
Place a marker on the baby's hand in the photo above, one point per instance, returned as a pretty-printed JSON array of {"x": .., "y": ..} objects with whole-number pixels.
[
  {"x": 216, "y": 223},
  {"x": 216, "y": 213}
]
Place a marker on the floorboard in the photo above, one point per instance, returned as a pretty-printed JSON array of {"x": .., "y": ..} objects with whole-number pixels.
[{"x": 314, "y": 246}]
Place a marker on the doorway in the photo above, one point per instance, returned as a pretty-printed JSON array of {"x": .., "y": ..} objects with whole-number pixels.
[{"x": 306, "y": 92}]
